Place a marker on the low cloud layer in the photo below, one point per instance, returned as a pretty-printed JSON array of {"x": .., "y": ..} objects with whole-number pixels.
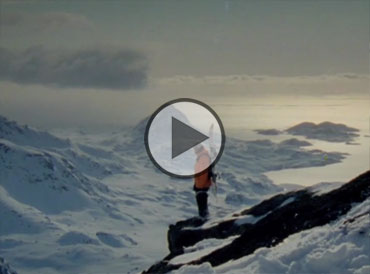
[
  {"x": 349, "y": 84},
  {"x": 245, "y": 79},
  {"x": 45, "y": 20},
  {"x": 85, "y": 68},
  {"x": 250, "y": 101}
]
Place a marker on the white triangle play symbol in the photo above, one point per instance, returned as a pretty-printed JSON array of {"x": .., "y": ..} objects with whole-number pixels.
[{"x": 184, "y": 137}]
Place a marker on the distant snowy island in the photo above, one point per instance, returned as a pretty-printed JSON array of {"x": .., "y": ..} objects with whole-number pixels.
[{"x": 325, "y": 131}]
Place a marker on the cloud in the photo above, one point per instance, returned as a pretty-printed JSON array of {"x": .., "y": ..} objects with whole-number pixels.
[
  {"x": 316, "y": 85},
  {"x": 45, "y": 21},
  {"x": 85, "y": 68},
  {"x": 272, "y": 101},
  {"x": 240, "y": 79}
]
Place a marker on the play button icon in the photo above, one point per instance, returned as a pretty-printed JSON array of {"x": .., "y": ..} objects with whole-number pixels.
[
  {"x": 177, "y": 131},
  {"x": 184, "y": 137}
]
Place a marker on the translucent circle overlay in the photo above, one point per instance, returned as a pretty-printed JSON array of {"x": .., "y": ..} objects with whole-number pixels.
[{"x": 196, "y": 115}]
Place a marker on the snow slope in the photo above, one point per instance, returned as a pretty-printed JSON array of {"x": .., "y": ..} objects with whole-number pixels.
[
  {"x": 95, "y": 203},
  {"x": 340, "y": 247},
  {"x": 306, "y": 231}
]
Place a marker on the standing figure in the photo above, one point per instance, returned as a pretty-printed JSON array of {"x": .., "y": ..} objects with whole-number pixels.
[{"x": 202, "y": 182}]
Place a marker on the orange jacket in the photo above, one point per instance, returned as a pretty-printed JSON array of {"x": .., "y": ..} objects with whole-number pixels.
[{"x": 203, "y": 180}]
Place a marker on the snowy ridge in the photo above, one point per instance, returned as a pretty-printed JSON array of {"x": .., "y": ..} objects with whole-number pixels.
[
  {"x": 278, "y": 234},
  {"x": 95, "y": 203},
  {"x": 24, "y": 135},
  {"x": 47, "y": 184},
  {"x": 342, "y": 247}
]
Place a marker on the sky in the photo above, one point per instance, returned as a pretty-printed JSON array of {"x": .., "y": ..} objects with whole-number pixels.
[{"x": 96, "y": 63}]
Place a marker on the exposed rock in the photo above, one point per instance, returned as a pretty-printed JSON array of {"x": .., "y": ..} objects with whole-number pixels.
[{"x": 274, "y": 220}]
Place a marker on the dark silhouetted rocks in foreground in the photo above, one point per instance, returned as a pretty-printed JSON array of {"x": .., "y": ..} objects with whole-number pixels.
[{"x": 274, "y": 220}]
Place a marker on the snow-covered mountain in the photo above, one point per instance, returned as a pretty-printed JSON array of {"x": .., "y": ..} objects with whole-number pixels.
[
  {"x": 24, "y": 135},
  {"x": 50, "y": 194},
  {"x": 95, "y": 203},
  {"x": 306, "y": 231}
]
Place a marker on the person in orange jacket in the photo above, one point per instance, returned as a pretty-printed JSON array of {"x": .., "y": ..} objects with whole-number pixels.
[{"x": 202, "y": 181}]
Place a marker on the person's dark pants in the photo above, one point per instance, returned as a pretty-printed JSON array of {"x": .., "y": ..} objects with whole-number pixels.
[{"x": 201, "y": 196}]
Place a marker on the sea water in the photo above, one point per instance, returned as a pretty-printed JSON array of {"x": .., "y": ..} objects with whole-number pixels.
[{"x": 241, "y": 118}]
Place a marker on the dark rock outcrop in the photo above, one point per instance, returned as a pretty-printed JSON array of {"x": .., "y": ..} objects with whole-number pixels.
[{"x": 276, "y": 219}]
